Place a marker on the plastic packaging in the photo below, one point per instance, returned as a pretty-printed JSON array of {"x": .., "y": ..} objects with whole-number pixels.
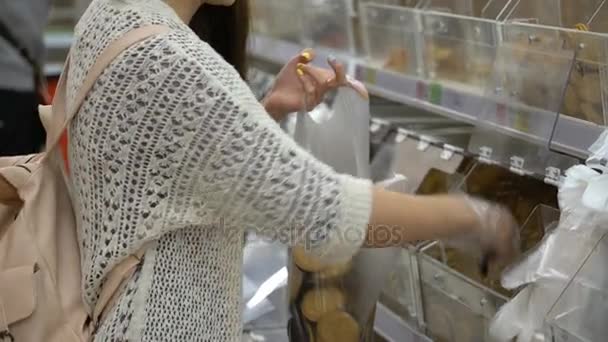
[
  {"x": 319, "y": 133},
  {"x": 337, "y": 302},
  {"x": 264, "y": 283},
  {"x": 547, "y": 270}
]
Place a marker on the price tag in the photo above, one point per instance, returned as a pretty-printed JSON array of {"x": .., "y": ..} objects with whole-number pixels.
[
  {"x": 501, "y": 114},
  {"x": 435, "y": 93},
  {"x": 371, "y": 76},
  {"x": 421, "y": 91}
]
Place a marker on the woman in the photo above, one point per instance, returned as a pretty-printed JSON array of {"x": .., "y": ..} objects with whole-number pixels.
[{"x": 172, "y": 147}]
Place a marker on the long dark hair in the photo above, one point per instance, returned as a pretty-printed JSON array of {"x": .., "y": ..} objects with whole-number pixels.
[{"x": 226, "y": 29}]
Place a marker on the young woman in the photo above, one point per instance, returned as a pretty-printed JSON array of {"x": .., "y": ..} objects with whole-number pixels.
[{"x": 171, "y": 147}]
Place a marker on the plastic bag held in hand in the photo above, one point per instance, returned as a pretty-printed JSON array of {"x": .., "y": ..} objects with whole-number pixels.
[
  {"x": 548, "y": 270},
  {"x": 338, "y": 136}
]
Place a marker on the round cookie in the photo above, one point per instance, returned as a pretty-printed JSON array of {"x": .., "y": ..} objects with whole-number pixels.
[
  {"x": 338, "y": 326},
  {"x": 335, "y": 271},
  {"x": 305, "y": 261},
  {"x": 317, "y": 302}
]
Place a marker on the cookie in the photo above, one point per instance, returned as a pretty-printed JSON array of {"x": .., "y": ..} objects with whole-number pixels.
[
  {"x": 338, "y": 326},
  {"x": 319, "y": 301}
]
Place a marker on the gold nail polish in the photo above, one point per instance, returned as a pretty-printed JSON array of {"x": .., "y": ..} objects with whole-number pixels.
[
  {"x": 300, "y": 72},
  {"x": 300, "y": 65},
  {"x": 306, "y": 55}
]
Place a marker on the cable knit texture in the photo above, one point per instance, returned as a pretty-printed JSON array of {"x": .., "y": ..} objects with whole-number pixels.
[{"x": 171, "y": 147}]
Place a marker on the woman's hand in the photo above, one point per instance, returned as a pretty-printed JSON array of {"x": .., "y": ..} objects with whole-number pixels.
[
  {"x": 497, "y": 234},
  {"x": 300, "y": 86},
  {"x": 493, "y": 238},
  {"x": 483, "y": 229}
]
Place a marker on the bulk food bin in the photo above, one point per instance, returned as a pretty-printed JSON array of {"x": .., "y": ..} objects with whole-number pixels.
[
  {"x": 556, "y": 13},
  {"x": 391, "y": 38},
  {"x": 328, "y": 24},
  {"x": 585, "y": 96},
  {"x": 472, "y": 8},
  {"x": 579, "y": 315},
  {"x": 280, "y": 19},
  {"x": 429, "y": 169},
  {"x": 458, "y": 302},
  {"x": 459, "y": 49}
]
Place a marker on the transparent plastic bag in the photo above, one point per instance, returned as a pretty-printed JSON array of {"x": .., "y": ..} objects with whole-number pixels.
[
  {"x": 338, "y": 135},
  {"x": 337, "y": 302},
  {"x": 546, "y": 271},
  {"x": 264, "y": 283}
]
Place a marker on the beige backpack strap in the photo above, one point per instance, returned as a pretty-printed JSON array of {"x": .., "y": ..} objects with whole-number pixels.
[
  {"x": 114, "y": 283},
  {"x": 58, "y": 123},
  {"x": 61, "y": 117}
]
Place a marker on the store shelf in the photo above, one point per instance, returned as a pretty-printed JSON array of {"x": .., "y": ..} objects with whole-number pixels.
[{"x": 569, "y": 135}]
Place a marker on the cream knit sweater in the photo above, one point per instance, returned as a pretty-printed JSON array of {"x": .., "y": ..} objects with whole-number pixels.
[{"x": 172, "y": 147}]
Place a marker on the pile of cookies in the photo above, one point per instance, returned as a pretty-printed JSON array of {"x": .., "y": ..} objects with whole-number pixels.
[{"x": 319, "y": 293}]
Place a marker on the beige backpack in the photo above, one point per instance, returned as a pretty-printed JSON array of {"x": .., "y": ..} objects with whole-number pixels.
[{"x": 40, "y": 277}]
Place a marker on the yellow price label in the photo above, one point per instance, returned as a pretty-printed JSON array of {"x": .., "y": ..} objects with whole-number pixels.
[
  {"x": 371, "y": 76},
  {"x": 522, "y": 122}
]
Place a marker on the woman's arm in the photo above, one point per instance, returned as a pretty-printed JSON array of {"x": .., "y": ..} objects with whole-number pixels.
[
  {"x": 426, "y": 218},
  {"x": 240, "y": 167},
  {"x": 485, "y": 228}
]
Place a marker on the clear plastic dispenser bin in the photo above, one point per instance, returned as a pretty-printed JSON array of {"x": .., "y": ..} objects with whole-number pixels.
[
  {"x": 433, "y": 173},
  {"x": 459, "y": 49},
  {"x": 527, "y": 83},
  {"x": 280, "y": 19},
  {"x": 458, "y": 303},
  {"x": 328, "y": 24},
  {"x": 391, "y": 37},
  {"x": 586, "y": 96},
  {"x": 403, "y": 3},
  {"x": 473, "y": 8},
  {"x": 579, "y": 315},
  {"x": 402, "y": 291},
  {"x": 556, "y": 13}
]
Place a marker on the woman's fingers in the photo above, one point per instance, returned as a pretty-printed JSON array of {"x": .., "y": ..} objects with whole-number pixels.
[
  {"x": 321, "y": 78},
  {"x": 339, "y": 71},
  {"x": 306, "y": 56},
  {"x": 310, "y": 91}
]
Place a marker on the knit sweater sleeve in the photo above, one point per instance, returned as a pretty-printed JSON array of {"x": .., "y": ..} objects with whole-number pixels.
[{"x": 239, "y": 167}]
